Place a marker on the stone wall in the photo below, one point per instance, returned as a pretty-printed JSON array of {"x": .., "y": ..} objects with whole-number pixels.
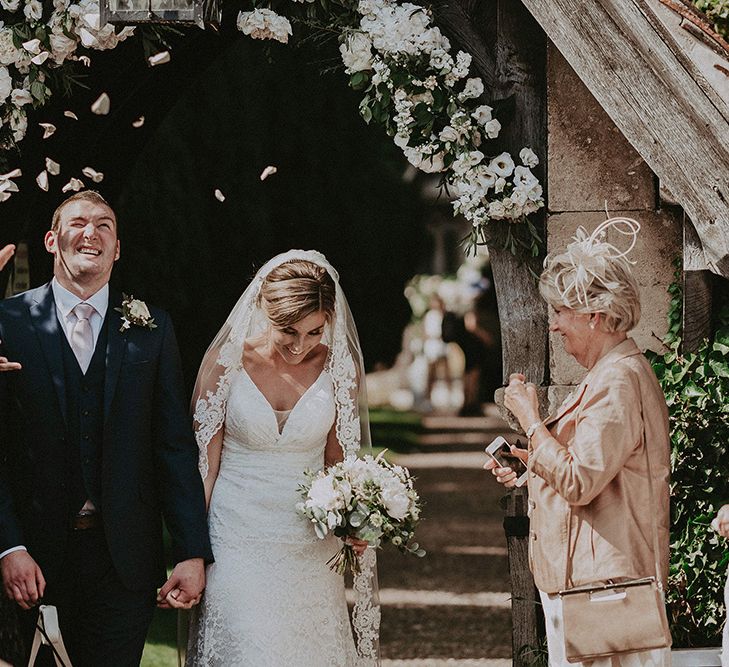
[{"x": 591, "y": 164}]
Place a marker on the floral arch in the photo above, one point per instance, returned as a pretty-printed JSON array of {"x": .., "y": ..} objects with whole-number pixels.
[{"x": 413, "y": 85}]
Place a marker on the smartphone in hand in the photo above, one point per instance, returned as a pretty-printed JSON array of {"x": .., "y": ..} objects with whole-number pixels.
[{"x": 499, "y": 451}]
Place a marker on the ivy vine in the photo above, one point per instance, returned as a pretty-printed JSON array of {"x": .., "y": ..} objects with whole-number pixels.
[{"x": 696, "y": 386}]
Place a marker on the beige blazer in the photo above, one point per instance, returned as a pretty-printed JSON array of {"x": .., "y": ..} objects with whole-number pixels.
[{"x": 594, "y": 465}]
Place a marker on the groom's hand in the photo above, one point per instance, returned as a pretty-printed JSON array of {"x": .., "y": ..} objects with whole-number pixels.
[
  {"x": 184, "y": 587},
  {"x": 22, "y": 579}
]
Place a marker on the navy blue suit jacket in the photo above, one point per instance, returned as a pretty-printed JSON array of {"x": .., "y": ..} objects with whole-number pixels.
[{"x": 149, "y": 455}]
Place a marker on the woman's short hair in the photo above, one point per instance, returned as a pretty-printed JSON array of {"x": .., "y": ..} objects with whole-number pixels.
[
  {"x": 600, "y": 283},
  {"x": 295, "y": 290}
]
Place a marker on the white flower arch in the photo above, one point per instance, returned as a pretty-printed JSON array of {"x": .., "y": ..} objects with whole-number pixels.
[{"x": 413, "y": 85}]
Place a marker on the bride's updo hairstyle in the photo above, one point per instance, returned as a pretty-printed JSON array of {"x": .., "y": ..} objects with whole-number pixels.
[{"x": 295, "y": 290}]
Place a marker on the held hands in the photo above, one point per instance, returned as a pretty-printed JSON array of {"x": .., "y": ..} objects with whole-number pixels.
[
  {"x": 22, "y": 579},
  {"x": 520, "y": 398},
  {"x": 185, "y": 586},
  {"x": 507, "y": 476},
  {"x": 721, "y": 522}
]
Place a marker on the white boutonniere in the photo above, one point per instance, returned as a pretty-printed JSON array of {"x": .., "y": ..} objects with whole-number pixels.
[{"x": 134, "y": 311}]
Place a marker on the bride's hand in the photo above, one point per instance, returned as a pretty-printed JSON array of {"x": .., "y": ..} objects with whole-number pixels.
[{"x": 359, "y": 546}]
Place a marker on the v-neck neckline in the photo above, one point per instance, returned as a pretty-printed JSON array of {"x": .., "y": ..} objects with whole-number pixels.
[{"x": 271, "y": 409}]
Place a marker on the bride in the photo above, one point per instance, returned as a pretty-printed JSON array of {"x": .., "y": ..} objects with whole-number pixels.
[{"x": 280, "y": 390}]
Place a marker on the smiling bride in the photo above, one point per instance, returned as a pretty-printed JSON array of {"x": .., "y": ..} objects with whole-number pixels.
[{"x": 280, "y": 390}]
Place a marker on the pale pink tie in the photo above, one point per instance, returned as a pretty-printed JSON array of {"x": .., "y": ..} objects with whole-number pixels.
[{"x": 82, "y": 337}]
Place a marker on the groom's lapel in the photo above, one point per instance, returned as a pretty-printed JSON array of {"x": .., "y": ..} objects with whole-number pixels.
[
  {"x": 116, "y": 346},
  {"x": 45, "y": 322}
]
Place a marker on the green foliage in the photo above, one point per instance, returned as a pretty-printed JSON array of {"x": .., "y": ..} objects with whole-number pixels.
[
  {"x": 696, "y": 386},
  {"x": 717, "y": 11}
]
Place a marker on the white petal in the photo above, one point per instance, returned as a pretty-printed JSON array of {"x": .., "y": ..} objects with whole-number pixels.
[
  {"x": 88, "y": 40},
  {"x": 95, "y": 176},
  {"x": 32, "y": 46},
  {"x": 40, "y": 58},
  {"x": 11, "y": 174},
  {"x": 268, "y": 171},
  {"x": 48, "y": 129},
  {"x": 159, "y": 58},
  {"x": 102, "y": 105},
  {"x": 53, "y": 168},
  {"x": 4, "y": 196},
  {"x": 219, "y": 195},
  {"x": 74, "y": 184},
  {"x": 42, "y": 180},
  {"x": 85, "y": 60},
  {"x": 139, "y": 122},
  {"x": 70, "y": 114}
]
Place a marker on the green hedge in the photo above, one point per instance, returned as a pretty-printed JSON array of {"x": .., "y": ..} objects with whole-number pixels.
[{"x": 697, "y": 390}]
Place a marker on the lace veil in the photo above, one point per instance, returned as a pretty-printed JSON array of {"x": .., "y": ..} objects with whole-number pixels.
[{"x": 345, "y": 366}]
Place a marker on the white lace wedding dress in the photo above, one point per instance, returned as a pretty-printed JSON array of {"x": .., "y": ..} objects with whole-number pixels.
[{"x": 270, "y": 599}]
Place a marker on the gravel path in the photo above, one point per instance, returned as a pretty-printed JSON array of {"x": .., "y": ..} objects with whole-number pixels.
[{"x": 450, "y": 608}]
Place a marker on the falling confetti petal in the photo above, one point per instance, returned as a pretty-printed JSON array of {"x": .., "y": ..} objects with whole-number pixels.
[
  {"x": 74, "y": 184},
  {"x": 48, "y": 129},
  {"x": 139, "y": 122},
  {"x": 268, "y": 171},
  {"x": 95, "y": 176},
  {"x": 11, "y": 174},
  {"x": 102, "y": 105},
  {"x": 40, "y": 58},
  {"x": 85, "y": 60},
  {"x": 70, "y": 114},
  {"x": 219, "y": 195},
  {"x": 159, "y": 58},
  {"x": 32, "y": 46},
  {"x": 42, "y": 180},
  {"x": 53, "y": 168}
]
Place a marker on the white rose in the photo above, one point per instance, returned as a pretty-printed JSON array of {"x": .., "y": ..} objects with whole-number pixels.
[
  {"x": 502, "y": 165},
  {"x": 6, "y": 84},
  {"x": 10, "y": 5},
  {"x": 20, "y": 97},
  {"x": 33, "y": 10},
  {"x": 356, "y": 52},
  {"x": 138, "y": 310},
  {"x": 482, "y": 114},
  {"x": 264, "y": 24},
  {"x": 500, "y": 184},
  {"x": 61, "y": 46},
  {"x": 397, "y": 540},
  {"x": 473, "y": 89},
  {"x": 448, "y": 134},
  {"x": 395, "y": 497},
  {"x": 523, "y": 178},
  {"x": 492, "y": 128},
  {"x": 528, "y": 157},
  {"x": 466, "y": 161},
  {"x": 323, "y": 494}
]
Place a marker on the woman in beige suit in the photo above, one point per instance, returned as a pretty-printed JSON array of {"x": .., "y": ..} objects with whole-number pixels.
[{"x": 588, "y": 477}]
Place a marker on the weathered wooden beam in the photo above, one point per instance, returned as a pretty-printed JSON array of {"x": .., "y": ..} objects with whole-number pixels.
[
  {"x": 636, "y": 73},
  {"x": 697, "y": 289},
  {"x": 521, "y": 49}
]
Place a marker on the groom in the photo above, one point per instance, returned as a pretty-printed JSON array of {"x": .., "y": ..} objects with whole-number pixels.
[{"x": 96, "y": 446}]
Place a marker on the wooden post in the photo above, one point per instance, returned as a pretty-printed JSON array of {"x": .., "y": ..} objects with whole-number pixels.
[
  {"x": 525, "y": 635},
  {"x": 697, "y": 285}
]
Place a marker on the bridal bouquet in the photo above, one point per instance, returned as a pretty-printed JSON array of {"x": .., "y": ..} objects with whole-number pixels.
[{"x": 368, "y": 499}]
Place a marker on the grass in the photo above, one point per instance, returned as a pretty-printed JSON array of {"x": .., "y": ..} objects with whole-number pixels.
[{"x": 161, "y": 647}]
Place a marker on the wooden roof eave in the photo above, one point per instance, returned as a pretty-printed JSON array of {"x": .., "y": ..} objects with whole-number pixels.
[{"x": 659, "y": 101}]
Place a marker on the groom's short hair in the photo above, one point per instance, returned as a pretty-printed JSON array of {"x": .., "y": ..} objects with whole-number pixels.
[{"x": 85, "y": 195}]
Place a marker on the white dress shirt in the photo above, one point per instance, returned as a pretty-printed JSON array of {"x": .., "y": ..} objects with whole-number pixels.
[{"x": 65, "y": 303}]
